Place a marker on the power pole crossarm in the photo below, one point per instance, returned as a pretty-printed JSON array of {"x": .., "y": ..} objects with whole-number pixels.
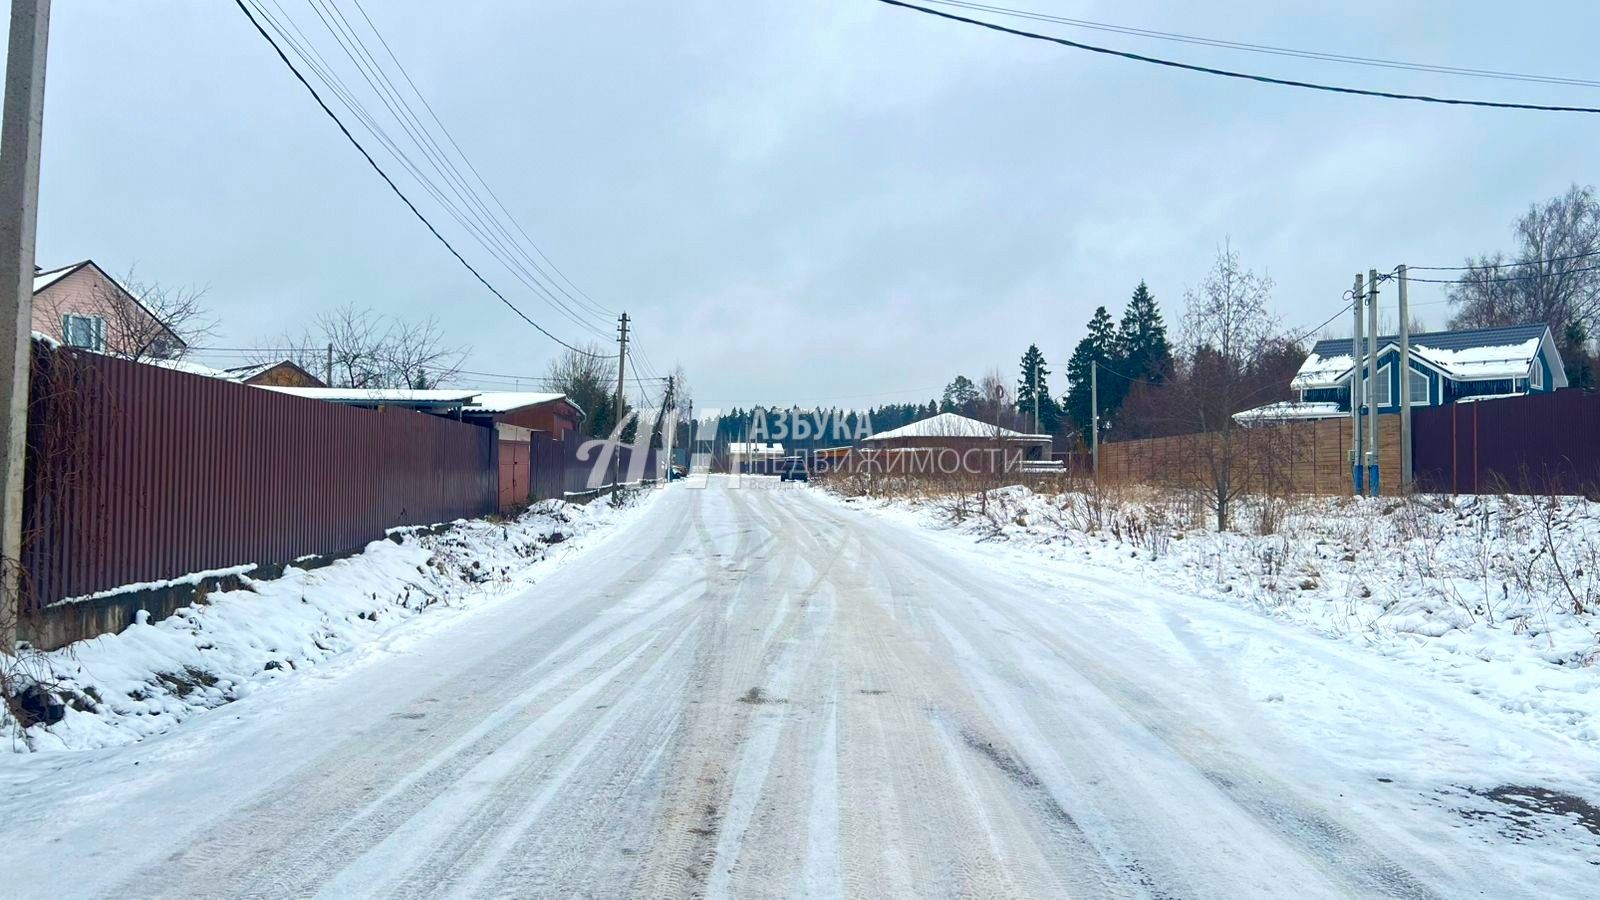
[{"x": 19, "y": 216}]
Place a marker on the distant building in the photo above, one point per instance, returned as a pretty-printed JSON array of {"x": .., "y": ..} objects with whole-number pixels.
[
  {"x": 753, "y": 456},
  {"x": 284, "y": 373},
  {"x": 82, "y": 306},
  {"x": 1444, "y": 367},
  {"x": 951, "y": 444}
]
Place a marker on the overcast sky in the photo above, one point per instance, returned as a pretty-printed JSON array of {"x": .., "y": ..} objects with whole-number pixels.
[{"x": 831, "y": 201}]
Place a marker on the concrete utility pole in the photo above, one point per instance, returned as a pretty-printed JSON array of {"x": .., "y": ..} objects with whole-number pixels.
[
  {"x": 1405, "y": 386},
  {"x": 1373, "y": 482},
  {"x": 622, "y": 369},
  {"x": 1036, "y": 398},
  {"x": 1356, "y": 469},
  {"x": 19, "y": 218},
  {"x": 1094, "y": 417}
]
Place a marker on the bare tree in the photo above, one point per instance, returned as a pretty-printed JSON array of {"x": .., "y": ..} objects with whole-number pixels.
[
  {"x": 1551, "y": 278},
  {"x": 589, "y": 381},
  {"x": 1226, "y": 333},
  {"x": 146, "y": 320},
  {"x": 369, "y": 350}
]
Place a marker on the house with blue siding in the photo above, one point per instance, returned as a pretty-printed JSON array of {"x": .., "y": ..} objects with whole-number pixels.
[{"x": 1445, "y": 367}]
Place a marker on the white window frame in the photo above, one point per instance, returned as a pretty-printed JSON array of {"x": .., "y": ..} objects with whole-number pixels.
[
  {"x": 1536, "y": 376},
  {"x": 1382, "y": 379},
  {"x": 1427, "y": 389},
  {"x": 96, "y": 326}
]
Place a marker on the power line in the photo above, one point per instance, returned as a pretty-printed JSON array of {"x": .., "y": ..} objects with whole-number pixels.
[
  {"x": 1229, "y": 73},
  {"x": 1501, "y": 279},
  {"x": 473, "y": 214},
  {"x": 1506, "y": 265},
  {"x": 397, "y": 192},
  {"x": 474, "y": 169},
  {"x": 1267, "y": 48},
  {"x": 439, "y": 156},
  {"x": 327, "y": 74}
]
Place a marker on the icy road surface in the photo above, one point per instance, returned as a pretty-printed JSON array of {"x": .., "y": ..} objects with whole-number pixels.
[{"x": 760, "y": 692}]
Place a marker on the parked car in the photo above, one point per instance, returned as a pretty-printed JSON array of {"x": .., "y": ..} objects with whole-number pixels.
[{"x": 794, "y": 469}]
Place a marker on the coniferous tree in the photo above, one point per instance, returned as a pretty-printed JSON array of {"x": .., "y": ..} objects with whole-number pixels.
[
  {"x": 1035, "y": 372},
  {"x": 1142, "y": 348},
  {"x": 959, "y": 396},
  {"x": 1098, "y": 346}
]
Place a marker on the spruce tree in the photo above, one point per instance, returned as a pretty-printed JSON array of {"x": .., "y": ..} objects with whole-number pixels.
[
  {"x": 1098, "y": 346},
  {"x": 1036, "y": 372},
  {"x": 1143, "y": 351}
]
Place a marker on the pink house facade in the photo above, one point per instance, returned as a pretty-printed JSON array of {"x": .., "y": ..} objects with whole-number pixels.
[{"x": 82, "y": 306}]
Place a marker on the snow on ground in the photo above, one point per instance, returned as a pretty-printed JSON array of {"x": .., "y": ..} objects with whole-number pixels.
[
  {"x": 153, "y": 675},
  {"x": 1496, "y": 595}
]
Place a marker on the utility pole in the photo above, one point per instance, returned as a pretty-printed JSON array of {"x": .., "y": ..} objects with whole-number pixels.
[
  {"x": 19, "y": 218},
  {"x": 1373, "y": 481},
  {"x": 622, "y": 368},
  {"x": 1094, "y": 417},
  {"x": 1036, "y": 398},
  {"x": 1405, "y": 386},
  {"x": 330, "y": 364},
  {"x": 1356, "y": 399}
]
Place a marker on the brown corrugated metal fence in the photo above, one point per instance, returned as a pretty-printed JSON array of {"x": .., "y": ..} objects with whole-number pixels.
[
  {"x": 1541, "y": 443},
  {"x": 140, "y": 474}
]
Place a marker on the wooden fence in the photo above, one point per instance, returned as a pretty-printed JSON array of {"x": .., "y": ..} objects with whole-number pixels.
[{"x": 1296, "y": 457}]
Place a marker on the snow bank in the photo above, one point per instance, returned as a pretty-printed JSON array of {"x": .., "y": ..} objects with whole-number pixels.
[
  {"x": 145, "y": 680},
  {"x": 1498, "y": 595}
]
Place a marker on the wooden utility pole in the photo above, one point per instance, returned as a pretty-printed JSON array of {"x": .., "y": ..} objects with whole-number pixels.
[
  {"x": 1357, "y": 463},
  {"x": 1405, "y": 385},
  {"x": 19, "y": 218},
  {"x": 1374, "y": 483},
  {"x": 330, "y": 364}
]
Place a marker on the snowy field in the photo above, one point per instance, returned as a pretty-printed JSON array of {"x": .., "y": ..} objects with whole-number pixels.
[{"x": 126, "y": 687}]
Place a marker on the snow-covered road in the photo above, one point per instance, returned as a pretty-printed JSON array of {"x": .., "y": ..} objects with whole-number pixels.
[{"x": 759, "y": 692}]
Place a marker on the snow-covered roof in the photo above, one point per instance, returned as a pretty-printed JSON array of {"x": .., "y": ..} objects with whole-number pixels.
[
  {"x": 377, "y": 395},
  {"x": 471, "y": 401},
  {"x": 754, "y": 448},
  {"x": 1469, "y": 354},
  {"x": 245, "y": 373},
  {"x": 42, "y": 280},
  {"x": 1289, "y": 410},
  {"x": 193, "y": 368},
  {"x": 505, "y": 401},
  {"x": 946, "y": 425}
]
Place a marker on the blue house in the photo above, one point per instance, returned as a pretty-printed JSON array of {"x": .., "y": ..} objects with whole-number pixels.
[{"x": 1445, "y": 367}]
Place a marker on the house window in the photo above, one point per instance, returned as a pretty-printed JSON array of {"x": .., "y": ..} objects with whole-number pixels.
[
  {"x": 1380, "y": 387},
  {"x": 1418, "y": 384},
  {"x": 87, "y": 332},
  {"x": 1536, "y": 376}
]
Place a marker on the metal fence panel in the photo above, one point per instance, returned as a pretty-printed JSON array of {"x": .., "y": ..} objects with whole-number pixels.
[
  {"x": 139, "y": 474},
  {"x": 1535, "y": 444}
]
